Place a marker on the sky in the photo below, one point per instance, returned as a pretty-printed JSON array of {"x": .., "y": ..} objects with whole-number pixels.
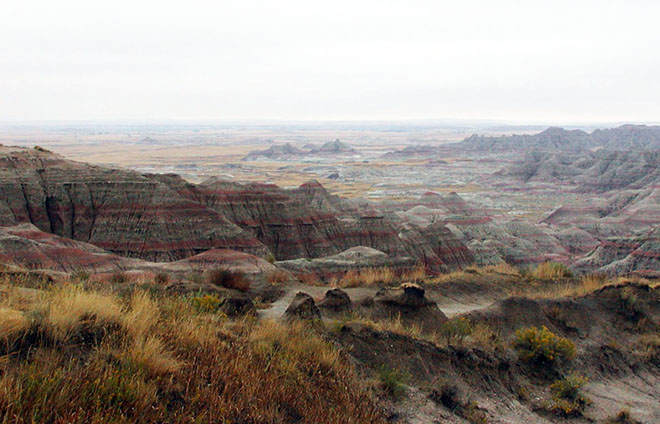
[{"x": 510, "y": 61}]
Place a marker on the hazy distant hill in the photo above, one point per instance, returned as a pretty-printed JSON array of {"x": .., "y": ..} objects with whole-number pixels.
[{"x": 625, "y": 137}]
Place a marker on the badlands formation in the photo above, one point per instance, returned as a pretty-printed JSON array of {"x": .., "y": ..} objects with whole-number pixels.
[{"x": 394, "y": 275}]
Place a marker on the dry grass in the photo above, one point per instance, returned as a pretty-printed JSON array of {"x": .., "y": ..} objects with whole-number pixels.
[
  {"x": 155, "y": 360},
  {"x": 13, "y": 323},
  {"x": 416, "y": 275},
  {"x": 149, "y": 354},
  {"x": 485, "y": 338},
  {"x": 71, "y": 309},
  {"x": 142, "y": 316},
  {"x": 551, "y": 271},
  {"x": 367, "y": 277},
  {"x": 277, "y": 278},
  {"x": 572, "y": 288},
  {"x": 474, "y": 274},
  {"x": 308, "y": 279},
  {"x": 393, "y": 325}
]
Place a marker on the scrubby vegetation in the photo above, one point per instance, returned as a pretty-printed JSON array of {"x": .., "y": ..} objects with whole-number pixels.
[
  {"x": 392, "y": 381},
  {"x": 207, "y": 303},
  {"x": 455, "y": 330},
  {"x": 567, "y": 399},
  {"x": 74, "y": 355},
  {"x": 542, "y": 346},
  {"x": 449, "y": 395}
]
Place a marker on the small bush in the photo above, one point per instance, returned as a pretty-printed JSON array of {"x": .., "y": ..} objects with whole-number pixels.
[
  {"x": 41, "y": 149},
  {"x": 650, "y": 348},
  {"x": 455, "y": 329},
  {"x": 552, "y": 271},
  {"x": 229, "y": 279},
  {"x": 392, "y": 381},
  {"x": 450, "y": 397},
  {"x": 567, "y": 397},
  {"x": 447, "y": 395},
  {"x": 630, "y": 305},
  {"x": 206, "y": 304},
  {"x": 542, "y": 346},
  {"x": 161, "y": 278},
  {"x": 485, "y": 338},
  {"x": 270, "y": 258},
  {"x": 118, "y": 278}
]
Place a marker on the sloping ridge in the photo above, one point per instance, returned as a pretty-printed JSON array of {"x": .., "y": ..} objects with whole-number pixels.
[{"x": 164, "y": 218}]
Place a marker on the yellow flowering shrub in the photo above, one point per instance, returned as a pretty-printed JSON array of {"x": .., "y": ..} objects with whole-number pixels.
[{"x": 541, "y": 345}]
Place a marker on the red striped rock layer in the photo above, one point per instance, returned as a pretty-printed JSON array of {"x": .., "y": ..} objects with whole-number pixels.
[
  {"x": 289, "y": 224},
  {"x": 120, "y": 211},
  {"x": 164, "y": 218}
]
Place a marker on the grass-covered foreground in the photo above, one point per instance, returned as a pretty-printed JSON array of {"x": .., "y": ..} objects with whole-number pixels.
[{"x": 72, "y": 355}]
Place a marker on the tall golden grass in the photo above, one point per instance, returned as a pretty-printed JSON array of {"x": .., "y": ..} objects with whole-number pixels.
[{"x": 155, "y": 360}]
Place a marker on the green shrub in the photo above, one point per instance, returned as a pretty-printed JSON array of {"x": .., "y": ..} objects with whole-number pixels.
[
  {"x": 393, "y": 381},
  {"x": 270, "y": 258},
  {"x": 455, "y": 329},
  {"x": 207, "y": 304},
  {"x": 542, "y": 346},
  {"x": 567, "y": 397}
]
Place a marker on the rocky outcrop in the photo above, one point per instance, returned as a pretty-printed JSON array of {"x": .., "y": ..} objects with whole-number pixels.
[
  {"x": 336, "y": 300},
  {"x": 303, "y": 307},
  {"x": 276, "y": 151},
  {"x": 238, "y": 306},
  {"x": 336, "y": 147},
  {"x": 409, "y": 304},
  {"x": 623, "y": 255},
  {"x": 599, "y": 171}
]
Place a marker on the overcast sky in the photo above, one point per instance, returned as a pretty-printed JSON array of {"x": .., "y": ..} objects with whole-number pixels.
[{"x": 515, "y": 61}]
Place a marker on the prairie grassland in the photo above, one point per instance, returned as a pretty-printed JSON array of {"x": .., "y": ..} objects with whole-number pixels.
[{"x": 73, "y": 355}]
